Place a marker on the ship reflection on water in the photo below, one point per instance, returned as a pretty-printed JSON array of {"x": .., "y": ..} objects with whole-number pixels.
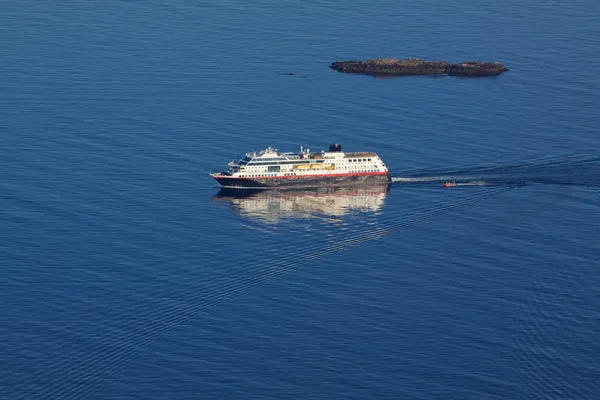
[{"x": 272, "y": 205}]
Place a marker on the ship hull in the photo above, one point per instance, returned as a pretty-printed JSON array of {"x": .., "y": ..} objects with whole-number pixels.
[{"x": 300, "y": 181}]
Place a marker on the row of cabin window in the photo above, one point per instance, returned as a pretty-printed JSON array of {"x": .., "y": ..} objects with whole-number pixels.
[
  {"x": 359, "y": 166},
  {"x": 294, "y": 174},
  {"x": 285, "y": 162},
  {"x": 359, "y": 159},
  {"x": 261, "y": 175}
]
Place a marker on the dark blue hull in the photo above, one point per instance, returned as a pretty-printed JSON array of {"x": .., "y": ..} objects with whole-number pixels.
[{"x": 291, "y": 182}]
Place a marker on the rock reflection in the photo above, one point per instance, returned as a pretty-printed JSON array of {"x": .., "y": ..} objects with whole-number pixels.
[{"x": 273, "y": 206}]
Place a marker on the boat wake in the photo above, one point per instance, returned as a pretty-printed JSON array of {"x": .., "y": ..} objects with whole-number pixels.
[{"x": 574, "y": 170}]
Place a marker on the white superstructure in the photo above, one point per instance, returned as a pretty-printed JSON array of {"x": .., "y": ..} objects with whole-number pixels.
[{"x": 269, "y": 163}]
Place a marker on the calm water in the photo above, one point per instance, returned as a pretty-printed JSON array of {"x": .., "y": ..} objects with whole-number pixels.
[{"x": 126, "y": 274}]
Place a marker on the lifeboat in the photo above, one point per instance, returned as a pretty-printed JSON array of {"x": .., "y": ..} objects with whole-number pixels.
[{"x": 448, "y": 184}]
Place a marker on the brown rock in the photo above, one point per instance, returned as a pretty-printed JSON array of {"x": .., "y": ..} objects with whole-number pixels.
[
  {"x": 415, "y": 66},
  {"x": 476, "y": 68}
]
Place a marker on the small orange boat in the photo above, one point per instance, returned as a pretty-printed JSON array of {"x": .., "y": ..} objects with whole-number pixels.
[{"x": 448, "y": 184}]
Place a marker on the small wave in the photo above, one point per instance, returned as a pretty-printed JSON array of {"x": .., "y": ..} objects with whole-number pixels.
[
  {"x": 431, "y": 179},
  {"x": 582, "y": 171},
  {"x": 475, "y": 183}
]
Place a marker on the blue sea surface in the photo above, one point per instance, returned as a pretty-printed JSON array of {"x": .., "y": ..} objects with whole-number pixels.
[{"x": 126, "y": 274}]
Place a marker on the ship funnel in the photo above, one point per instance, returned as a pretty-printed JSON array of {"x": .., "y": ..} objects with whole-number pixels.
[{"x": 336, "y": 147}]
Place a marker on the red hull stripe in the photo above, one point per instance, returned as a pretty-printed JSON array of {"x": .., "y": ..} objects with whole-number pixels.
[{"x": 301, "y": 176}]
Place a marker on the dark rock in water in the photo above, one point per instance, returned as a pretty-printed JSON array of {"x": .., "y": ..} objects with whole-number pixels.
[
  {"x": 415, "y": 66},
  {"x": 391, "y": 66},
  {"x": 476, "y": 68}
]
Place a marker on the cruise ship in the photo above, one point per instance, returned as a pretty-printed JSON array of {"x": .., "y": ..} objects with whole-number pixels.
[{"x": 270, "y": 168}]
